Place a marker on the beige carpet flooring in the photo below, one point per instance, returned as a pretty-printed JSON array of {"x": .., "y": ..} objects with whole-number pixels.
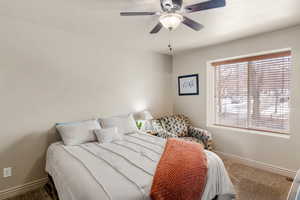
[
  {"x": 250, "y": 184},
  {"x": 254, "y": 184}
]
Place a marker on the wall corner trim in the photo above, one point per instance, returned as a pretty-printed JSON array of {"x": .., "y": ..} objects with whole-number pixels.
[
  {"x": 259, "y": 165},
  {"x": 21, "y": 189}
]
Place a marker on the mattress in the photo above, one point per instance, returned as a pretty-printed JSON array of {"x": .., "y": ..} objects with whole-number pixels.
[{"x": 121, "y": 170}]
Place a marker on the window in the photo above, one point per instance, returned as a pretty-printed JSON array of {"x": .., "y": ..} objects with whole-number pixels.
[{"x": 254, "y": 92}]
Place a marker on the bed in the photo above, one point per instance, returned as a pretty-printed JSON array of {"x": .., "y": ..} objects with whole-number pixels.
[
  {"x": 121, "y": 170},
  {"x": 294, "y": 193}
]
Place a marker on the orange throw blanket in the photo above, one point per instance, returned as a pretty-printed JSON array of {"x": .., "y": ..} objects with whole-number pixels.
[{"x": 181, "y": 172}]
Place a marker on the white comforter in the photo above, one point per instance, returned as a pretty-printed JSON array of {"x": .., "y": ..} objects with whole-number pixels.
[{"x": 122, "y": 170}]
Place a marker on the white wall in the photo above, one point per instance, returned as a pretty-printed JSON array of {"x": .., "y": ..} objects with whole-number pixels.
[
  {"x": 49, "y": 75},
  {"x": 278, "y": 151}
]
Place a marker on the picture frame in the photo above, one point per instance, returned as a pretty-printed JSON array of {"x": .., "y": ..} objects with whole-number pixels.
[{"x": 188, "y": 85}]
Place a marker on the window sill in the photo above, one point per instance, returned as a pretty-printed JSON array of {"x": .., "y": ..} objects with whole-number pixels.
[{"x": 278, "y": 135}]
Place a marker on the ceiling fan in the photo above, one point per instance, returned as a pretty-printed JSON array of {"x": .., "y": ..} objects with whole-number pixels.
[{"x": 172, "y": 14}]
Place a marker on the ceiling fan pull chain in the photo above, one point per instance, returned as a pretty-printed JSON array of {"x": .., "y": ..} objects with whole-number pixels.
[{"x": 170, "y": 44}]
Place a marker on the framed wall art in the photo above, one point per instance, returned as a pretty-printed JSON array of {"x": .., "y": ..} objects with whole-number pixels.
[{"x": 188, "y": 85}]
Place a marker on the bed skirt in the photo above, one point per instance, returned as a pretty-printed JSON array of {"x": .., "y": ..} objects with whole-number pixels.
[
  {"x": 52, "y": 192},
  {"x": 51, "y": 189}
]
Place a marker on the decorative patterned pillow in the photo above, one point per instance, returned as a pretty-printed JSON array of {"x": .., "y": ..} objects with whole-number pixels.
[
  {"x": 185, "y": 119},
  {"x": 156, "y": 125}
]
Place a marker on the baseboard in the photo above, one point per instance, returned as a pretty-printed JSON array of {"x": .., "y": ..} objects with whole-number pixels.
[
  {"x": 21, "y": 189},
  {"x": 259, "y": 165}
]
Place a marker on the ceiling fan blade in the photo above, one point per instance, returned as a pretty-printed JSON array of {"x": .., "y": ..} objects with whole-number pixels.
[
  {"x": 157, "y": 28},
  {"x": 137, "y": 13},
  {"x": 192, "y": 24},
  {"x": 205, "y": 5}
]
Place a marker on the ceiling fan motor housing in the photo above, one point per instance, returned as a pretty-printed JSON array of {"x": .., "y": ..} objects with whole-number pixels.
[{"x": 171, "y": 5}]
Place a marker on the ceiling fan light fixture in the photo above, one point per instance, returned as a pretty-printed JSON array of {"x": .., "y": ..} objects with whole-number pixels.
[{"x": 171, "y": 20}]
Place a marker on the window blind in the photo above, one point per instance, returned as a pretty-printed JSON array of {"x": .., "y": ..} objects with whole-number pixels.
[{"x": 254, "y": 92}]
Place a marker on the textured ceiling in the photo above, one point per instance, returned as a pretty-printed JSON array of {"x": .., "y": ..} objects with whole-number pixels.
[{"x": 100, "y": 20}]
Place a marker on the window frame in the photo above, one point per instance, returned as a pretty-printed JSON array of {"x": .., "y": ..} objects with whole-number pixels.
[{"x": 211, "y": 92}]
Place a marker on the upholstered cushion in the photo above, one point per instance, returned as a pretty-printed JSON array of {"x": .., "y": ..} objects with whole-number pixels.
[
  {"x": 75, "y": 133},
  {"x": 175, "y": 124},
  {"x": 166, "y": 134},
  {"x": 125, "y": 123},
  {"x": 191, "y": 139},
  {"x": 107, "y": 135}
]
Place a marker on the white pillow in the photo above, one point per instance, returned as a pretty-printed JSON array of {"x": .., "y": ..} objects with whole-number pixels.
[
  {"x": 75, "y": 133},
  {"x": 107, "y": 135},
  {"x": 125, "y": 123}
]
